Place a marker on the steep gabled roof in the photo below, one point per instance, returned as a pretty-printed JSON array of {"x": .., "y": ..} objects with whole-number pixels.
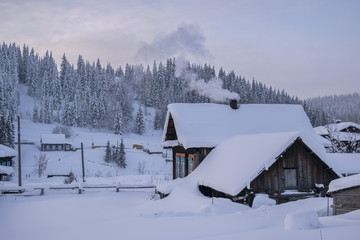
[
  {"x": 344, "y": 125},
  {"x": 208, "y": 124},
  {"x": 234, "y": 163},
  {"x": 6, "y": 151}
]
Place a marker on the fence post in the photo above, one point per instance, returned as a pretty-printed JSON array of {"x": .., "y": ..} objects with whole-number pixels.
[{"x": 117, "y": 187}]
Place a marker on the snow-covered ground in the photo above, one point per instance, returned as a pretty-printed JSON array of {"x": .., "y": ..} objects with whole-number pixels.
[
  {"x": 106, "y": 214},
  {"x": 139, "y": 214}
]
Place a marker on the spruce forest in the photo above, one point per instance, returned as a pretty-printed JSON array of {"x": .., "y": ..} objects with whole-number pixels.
[{"x": 101, "y": 96}]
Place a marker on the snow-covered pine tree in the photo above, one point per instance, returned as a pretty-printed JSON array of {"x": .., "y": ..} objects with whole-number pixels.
[
  {"x": 121, "y": 156},
  {"x": 108, "y": 154},
  {"x": 119, "y": 122},
  {"x": 140, "y": 125},
  {"x": 68, "y": 114},
  {"x": 158, "y": 123},
  {"x": 35, "y": 114}
]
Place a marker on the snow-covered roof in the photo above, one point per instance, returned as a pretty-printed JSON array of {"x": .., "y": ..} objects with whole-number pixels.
[
  {"x": 344, "y": 183},
  {"x": 346, "y": 136},
  {"x": 343, "y": 125},
  {"x": 321, "y": 130},
  {"x": 235, "y": 162},
  {"x": 208, "y": 124},
  {"x": 6, "y": 151},
  {"x": 325, "y": 142},
  {"x": 344, "y": 163},
  {"x": 6, "y": 169},
  {"x": 53, "y": 139}
]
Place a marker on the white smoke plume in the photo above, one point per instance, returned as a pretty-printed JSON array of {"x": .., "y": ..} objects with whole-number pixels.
[
  {"x": 212, "y": 89},
  {"x": 187, "y": 41}
]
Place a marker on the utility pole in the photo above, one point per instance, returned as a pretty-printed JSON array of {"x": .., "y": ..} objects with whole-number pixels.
[
  {"x": 82, "y": 162},
  {"x": 19, "y": 152}
]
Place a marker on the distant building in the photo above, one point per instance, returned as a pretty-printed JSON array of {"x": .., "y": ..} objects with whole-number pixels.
[
  {"x": 54, "y": 142},
  {"x": 6, "y": 162},
  {"x": 343, "y": 136}
]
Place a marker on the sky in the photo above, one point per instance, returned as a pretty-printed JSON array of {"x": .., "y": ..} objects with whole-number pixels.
[{"x": 309, "y": 48}]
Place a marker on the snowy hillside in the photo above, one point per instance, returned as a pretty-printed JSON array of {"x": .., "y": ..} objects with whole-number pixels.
[{"x": 141, "y": 166}]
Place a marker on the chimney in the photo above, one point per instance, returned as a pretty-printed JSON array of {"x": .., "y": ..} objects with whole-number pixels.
[{"x": 233, "y": 104}]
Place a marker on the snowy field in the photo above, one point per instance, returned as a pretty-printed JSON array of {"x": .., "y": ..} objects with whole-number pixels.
[
  {"x": 139, "y": 214},
  {"x": 106, "y": 214}
]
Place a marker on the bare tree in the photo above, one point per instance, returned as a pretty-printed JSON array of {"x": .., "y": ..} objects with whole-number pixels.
[{"x": 40, "y": 164}]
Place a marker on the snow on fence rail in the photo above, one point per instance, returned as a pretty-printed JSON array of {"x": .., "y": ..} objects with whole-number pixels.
[{"x": 80, "y": 187}]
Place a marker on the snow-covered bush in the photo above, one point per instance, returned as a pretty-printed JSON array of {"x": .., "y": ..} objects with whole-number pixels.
[
  {"x": 70, "y": 178},
  {"x": 302, "y": 220},
  {"x": 141, "y": 168},
  {"x": 262, "y": 200},
  {"x": 40, "y": 164}
]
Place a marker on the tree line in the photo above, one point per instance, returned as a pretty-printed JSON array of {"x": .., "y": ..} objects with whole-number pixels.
[{"x": 100, "y": 96}]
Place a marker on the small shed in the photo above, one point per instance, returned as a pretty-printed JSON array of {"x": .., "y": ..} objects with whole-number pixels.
[
  {"x": 6, "y": 162},
  {"x": 6, "y": 156},
  {"x": 54, "y": 142},
  {"x": 346, "y": 194}
]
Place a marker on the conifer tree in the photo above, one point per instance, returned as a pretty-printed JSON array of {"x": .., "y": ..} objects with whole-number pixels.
[
  {"x": 121, "y": 155},
  {"x": 108, "y": 155},
  {"x": 119, "y": 122},
  {"x": 35, "y": 114},
  {"x": 140, "y": 125}
]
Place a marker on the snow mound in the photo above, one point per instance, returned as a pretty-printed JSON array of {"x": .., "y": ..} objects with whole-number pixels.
[
  {"x": 301, "y": 220},
  {"x": 262, "y": 200},
  {"x": 185, "y": 199}
]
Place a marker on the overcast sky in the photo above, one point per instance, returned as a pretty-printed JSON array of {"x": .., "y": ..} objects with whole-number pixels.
[{"x": 307, "y": 47}]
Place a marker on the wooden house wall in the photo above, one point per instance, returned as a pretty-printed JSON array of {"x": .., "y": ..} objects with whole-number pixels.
[
  {"x": 200, "y": 154},
  {"x": 346, "y": 200},
  {"x": 170, "y": 131},
  {"x": 298, "y": 160},
  {"x": 54, "y": 147}
]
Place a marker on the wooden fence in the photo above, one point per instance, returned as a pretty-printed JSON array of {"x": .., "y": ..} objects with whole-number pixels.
[{"x": 21, "y": 190}]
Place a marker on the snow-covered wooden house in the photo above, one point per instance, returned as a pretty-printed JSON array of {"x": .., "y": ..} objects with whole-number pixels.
[
  {"x": 346, "y": 194},
  {"x": 264, "y": 147},
  {"x": 54, "y": 142},
  {"x": 6, "y": 162}
]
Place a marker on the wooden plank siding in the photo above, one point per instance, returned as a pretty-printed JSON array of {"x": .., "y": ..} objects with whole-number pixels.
[
  {"x": 170, "y": 131},
  {"x": 309, "y": 170},
  {"x": 346, "y": 200},
  {"x": 198, "y": 153}
]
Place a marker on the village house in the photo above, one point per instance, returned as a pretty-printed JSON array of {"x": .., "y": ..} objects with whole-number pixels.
[
  {"x": 267, "y": 148},
  {"x": 343, "y": 136},
  {"x": 6, "y": 162},
  {"x": 54, "y": 142},
  {"x": 346, "y": 194}
]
